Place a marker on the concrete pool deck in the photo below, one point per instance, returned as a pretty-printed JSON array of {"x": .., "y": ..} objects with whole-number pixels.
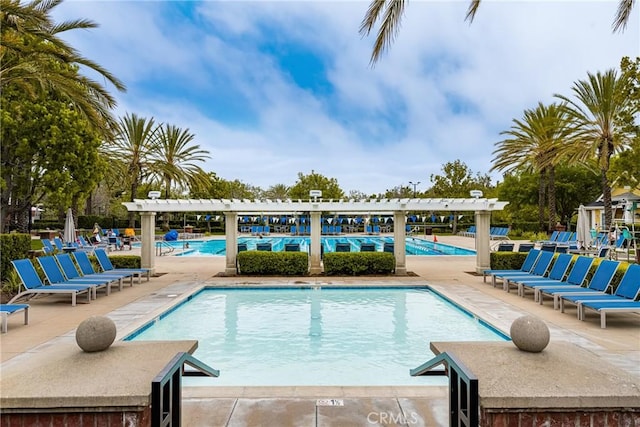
[{"x": 53, "y": 322}]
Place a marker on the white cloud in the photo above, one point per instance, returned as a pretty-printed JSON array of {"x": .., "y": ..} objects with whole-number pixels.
[{"x": 444, "y": 91}]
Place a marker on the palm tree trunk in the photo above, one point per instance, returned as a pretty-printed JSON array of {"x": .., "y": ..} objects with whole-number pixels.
[
  {"x": 606, "y": 199},
  {"x": 552, "y": 198},
  {"x": 541, "y": 198},
  {"x": 134, "y": 191}
]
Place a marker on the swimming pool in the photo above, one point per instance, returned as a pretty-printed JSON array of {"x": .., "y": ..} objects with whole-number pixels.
[
  {"x": 413, "y": 245},
  {"x": 316, "y": 336}
]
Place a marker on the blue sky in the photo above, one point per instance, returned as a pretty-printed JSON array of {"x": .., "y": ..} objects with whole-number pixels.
[{"x": 273, "y": 88}]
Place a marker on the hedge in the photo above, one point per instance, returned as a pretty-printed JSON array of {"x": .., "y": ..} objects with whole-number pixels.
[
  {"x": 507, "y": 260},
  {"x": 13, "y": 246},
  {"x": 358, "y": 263},
  {"x": 273, "y": 263}
]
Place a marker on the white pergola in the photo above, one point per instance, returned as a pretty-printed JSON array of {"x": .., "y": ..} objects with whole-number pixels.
[{"x": 398, "y": 207}]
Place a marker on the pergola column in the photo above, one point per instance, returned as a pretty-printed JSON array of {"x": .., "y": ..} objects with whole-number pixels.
[
  {"x": 316, "y": 267},
  {"x": 483, "y": 247},
  {"x": 231, "y": 234},
  {"x": 399, "y": 247},
  {"x": 148, "y": 236}
]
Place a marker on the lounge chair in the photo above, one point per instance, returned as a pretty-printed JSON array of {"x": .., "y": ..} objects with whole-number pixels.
[
  {"x": 505, "y": 247},
  {"x": 86, "y": 267},
  {"x": 604, "y": 307},
  {"x": 107, "y": 267},
  {"x": 33, "y": 284},
  {"x": 538, "y": 272},
  {"x": 527, "y": 265},
  {"x": 628, "y": 290},
  {"x": 71, "y": 272},
  {"x": 47, "y": 247},
  {"x": 576, "y": 277},
  {"x": 8, "y": 309},
  {"x": 525, "y": 247},
  {"x": 557, "y": 272},
  {"x": 600, "y": 282},
  {"x": 55, "y": 276}
]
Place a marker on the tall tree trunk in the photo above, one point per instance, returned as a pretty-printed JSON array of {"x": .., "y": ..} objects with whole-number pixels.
[
  {"x": 552, "y": 198},
  {"x": 541, "y": 198},
  {"x": 134, "y": 192},
  {"x": 606, "y": 200}
]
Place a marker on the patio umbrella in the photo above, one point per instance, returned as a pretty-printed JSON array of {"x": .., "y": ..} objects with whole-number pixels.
[
  {"x": 69, "y": 234},
  {"x": 582, "y": 227}
]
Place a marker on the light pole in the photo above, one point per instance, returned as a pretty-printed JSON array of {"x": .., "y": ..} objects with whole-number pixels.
[{"x": 415, "y": 184}]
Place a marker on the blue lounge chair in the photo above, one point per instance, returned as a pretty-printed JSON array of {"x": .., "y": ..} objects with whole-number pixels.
[
  {"x": 539, "y": 269},
  {"x": 33, "y": 284},
  {"x": 600, "y": 282},
  {"x": 628, "y": 290},
  {"x": 55, "y": 276},
  {"x": 527, "y": 266},
  {"x": 71, "y": 272},
  {"x": 86, "y": 267},
  {"x": 575, "y": 278},
  {"x": 47, "y": 247},
  {"x": 557, "y": 272},
  {"x": 604, "y": 307},
  {"x": 107, "y": 267},
  {"x": 8, "y": 309}
]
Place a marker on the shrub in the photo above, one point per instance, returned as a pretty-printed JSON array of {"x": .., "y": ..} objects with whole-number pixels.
[
  {"x": 273, "y": 263},
  {"x": 358, "y": 263},
  {"x": 507, "y": 260},
  {"x": 12, "y": 246}
]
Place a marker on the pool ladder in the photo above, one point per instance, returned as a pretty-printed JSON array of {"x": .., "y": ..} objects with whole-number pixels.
[{"x": 163, "y": 248}]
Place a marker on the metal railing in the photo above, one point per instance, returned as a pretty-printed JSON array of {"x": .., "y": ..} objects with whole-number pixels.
[
  {"x": 160, "y": 245},
  {"x": 464, "y": 402},
  {"x": 166, "y": 389}
]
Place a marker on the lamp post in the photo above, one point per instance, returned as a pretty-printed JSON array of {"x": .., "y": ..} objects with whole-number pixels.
[{"x": 415, "y": 184}]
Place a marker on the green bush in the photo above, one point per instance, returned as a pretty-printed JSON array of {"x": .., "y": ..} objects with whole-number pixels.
[
  {"x": 358, "y": 263},
  {"x": 507, "y": 260},
  {"x": 12, "y": 246},
  {"x": 273, "y": 263}
]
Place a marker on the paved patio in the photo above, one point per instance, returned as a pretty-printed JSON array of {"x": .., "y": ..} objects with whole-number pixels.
[{"x": 53, "y": 322}]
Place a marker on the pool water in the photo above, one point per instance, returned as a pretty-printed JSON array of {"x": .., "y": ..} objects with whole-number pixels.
[
  {"x": 414, "y": 246},
  {"x": 288, "y": 337}
]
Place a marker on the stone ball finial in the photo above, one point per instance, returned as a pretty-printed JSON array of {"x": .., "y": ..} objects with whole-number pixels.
[
  {"x": 96, "y": 333},
  {"x": 530, "y": 334}
]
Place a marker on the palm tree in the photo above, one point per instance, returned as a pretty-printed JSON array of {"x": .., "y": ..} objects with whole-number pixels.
[
  {"x": 133, "y": 144},
  {"x": 277, "y": 191},
  {"x": 174, "y": 162},
  {"x": 596, "y": 112},
  {"x": 34, "y": 58},
  {"x": 531, "y": 147},
  {"x": 392, "y": 11}
]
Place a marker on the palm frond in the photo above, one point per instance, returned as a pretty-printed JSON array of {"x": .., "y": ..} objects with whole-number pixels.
[{"x": 623, "y": 14}]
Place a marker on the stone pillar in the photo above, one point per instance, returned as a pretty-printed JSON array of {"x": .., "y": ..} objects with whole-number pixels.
[
  {"x": 399, "y": 237},
  {"x": 483, "y": 247},
  {"x": 316, "y": 228},
  {"x": 231, "y": 234},
  {"x": 148, "y": 236}
]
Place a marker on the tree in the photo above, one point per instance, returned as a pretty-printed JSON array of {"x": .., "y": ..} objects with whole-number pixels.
[
  {"x": 133, "y": 143},
  {"x": 315, "y": 181},
  {"x": 400, "y": 191},
  {"x": 392, "y": 11},
  {"x": 174, "y": 159},
  {"x": 531, "y": 146},
  {"x": 456, "y": 181},
  {"x": 596, "y": 112},
  {"x": 49, "y": 153},
  {"x": 277, "y": 191},
  {"x": 34, "y": 58}
]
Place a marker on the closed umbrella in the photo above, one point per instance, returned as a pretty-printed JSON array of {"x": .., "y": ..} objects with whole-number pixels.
[
  {"x": 69, "y": 234},
  {"x": 582, "y": 227}
]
